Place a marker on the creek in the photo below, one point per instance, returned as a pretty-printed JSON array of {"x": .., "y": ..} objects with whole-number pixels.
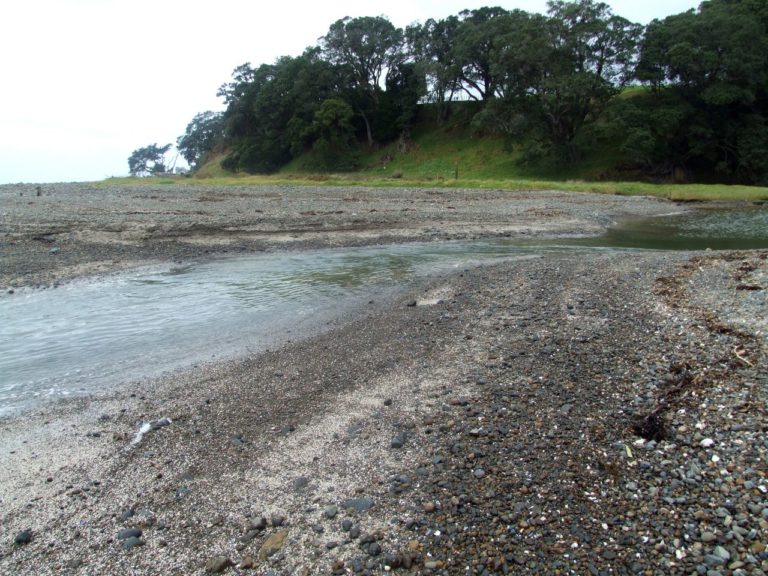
[{"x": 88, "y": 335}]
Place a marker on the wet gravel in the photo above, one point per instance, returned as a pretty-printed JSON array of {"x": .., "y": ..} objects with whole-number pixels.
[
  {"x": 605, "y": 414},
  {"x": 492, "y": 428}
]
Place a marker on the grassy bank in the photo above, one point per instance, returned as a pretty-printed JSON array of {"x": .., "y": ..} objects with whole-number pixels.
[{"x": 679, "y": 192}]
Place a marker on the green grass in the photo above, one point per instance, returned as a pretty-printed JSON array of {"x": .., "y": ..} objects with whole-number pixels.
[{"x": 678, "y": 192}]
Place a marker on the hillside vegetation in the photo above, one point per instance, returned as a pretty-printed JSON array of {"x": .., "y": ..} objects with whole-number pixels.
[{"x": 578, "y": 93}]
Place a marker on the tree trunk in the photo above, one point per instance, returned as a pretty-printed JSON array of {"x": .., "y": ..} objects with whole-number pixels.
[{"x": 368, "y": 132}]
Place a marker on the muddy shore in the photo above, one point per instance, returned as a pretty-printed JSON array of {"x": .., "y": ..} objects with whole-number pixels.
[{"x": 605, "y": 414}]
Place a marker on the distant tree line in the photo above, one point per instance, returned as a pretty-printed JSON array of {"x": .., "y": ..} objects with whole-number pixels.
[{"x": 683, "y": 96}]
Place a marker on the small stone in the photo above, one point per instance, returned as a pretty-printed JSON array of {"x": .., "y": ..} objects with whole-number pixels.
[
  {"x": 273, "y": 544},
  {"x": 300, "y": 483},
  {"x": 358, "y": 504},
  {"x": 129, "y": 533},
  {"x": 330, "y": 512},
  {"x": 132, "y": 542},
  {"x": 479, "y": 473},
  {"x": 23, "y": 537},
  {"x": 346, "y": 525},
  {"x": 411, "y": 303},
  {"x": 721, "y": 552},
  {"x": 429, "y": 507},
  {"x": 218, "y": 564},
  {"x": 162, "y": 423},
  {"x": 388, "y": 402},
  {"x": 278, "y": 521},
  {"x": 707, "y": 443},
  {"x": 708, "y": 537},
  {"x": 259, "y": 524},
  {"x": 398, "y": 441},
  {"x": 248, "y": 562}
]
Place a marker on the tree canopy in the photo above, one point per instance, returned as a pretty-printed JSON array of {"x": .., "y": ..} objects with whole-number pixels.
[
  {"x": 148, "y": 160},
  {"x": 685, "y": 95}
]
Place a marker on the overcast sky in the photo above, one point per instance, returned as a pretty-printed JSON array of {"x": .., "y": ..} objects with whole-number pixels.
[{"x": 86, "y": 82}]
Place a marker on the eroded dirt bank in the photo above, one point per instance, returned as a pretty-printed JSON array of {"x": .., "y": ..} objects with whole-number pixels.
[{"x": 492, "y": 427}]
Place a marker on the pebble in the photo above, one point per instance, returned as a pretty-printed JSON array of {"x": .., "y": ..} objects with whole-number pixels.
[
  {"x": 218, "y": 564},
  {"x": 330, "y": 512},
  {"x": 23, "y": 537}
]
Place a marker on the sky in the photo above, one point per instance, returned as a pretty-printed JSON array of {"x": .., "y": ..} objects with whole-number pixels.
[{"x": 86, "y": 82}]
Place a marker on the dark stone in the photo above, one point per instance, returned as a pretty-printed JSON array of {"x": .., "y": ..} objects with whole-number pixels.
[
  {"x": 129, "y": 533},
  {"x": 132, "y": 542},
  {"x": 157, "y": 424},
  {"x": 398, "y": 441},
  {"x": 358, "y": 504},
  {"x": 23, "y": 537}
]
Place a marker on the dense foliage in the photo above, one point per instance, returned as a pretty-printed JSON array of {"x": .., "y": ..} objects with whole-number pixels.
[
  {"x": 148, "y": 160},
  {"x": 684, "y": 97}
]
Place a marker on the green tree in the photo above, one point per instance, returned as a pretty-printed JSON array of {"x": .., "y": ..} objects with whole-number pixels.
[
  {"x": 202, "y": 134},
  {"x": 557, "y": 73},
  {"x": 148, "y": 160},
  {"x": 333, "y": 135},
  {"x": 709, "y": 70},
  {"x": 266, "y": 120},
  {"x": 430, "y": 45},
  {"x": 364, "y": 50}
]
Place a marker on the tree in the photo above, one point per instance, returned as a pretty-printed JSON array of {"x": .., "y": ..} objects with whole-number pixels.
[
  {"x": 709, "y": 70},
  {"x": 475, "y": 50},
  {"x": 201, "y": 136},
  {"x": 557, "y": 73},
  {"x": 271, "y": 107},
  {"x": 148, "y": 160},
  {"x": 431, "y": 47},
  {"x": 365, "y": 49},
  {"x": 333, "y": 135}
]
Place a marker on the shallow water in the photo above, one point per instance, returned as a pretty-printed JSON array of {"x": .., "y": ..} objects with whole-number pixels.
[{"x": 86, "y": 336}]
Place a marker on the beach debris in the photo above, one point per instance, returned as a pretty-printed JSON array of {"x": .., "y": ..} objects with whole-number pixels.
[{"x": 149, "y": 427}]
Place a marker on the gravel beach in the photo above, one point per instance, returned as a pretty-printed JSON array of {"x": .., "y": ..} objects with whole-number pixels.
[{"x": 604, "y": 414}]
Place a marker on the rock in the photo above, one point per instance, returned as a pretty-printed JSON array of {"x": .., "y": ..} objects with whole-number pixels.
[
  {"x": 273, "y": 544},
  {"x": 330, "y": 512},
  {"x": 346, "y": 525},
  {"x": 411, "y": 304},
  {"x": 479, "y": 473},
  {"x": 23, "y": 537},
  {"x": 132, "y": 542},
  {"x": 129, "y": 533},
  {"x": 277, "y": 521},
  {"x": 259, "y": 524},
  {"x": 358, "y": 504},
  {"x": 247, "y": 563},
  {"x": 300, "y": 483},
  {"x": 398, "y": 441},
  {"x": 218, "y": 564},
  {"x": 157, "y": 424}
]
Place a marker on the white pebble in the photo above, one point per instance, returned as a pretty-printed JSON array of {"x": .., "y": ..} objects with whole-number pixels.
[{"x": 707, "y": 443}]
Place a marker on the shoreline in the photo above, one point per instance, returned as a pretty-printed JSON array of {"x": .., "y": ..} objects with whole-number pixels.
[
  {"x": 489, "y": 427},
  {"x": 73, "y": 230}
]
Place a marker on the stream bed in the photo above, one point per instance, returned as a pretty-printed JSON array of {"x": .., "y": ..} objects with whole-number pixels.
[{"x": 91, "y": 334}]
